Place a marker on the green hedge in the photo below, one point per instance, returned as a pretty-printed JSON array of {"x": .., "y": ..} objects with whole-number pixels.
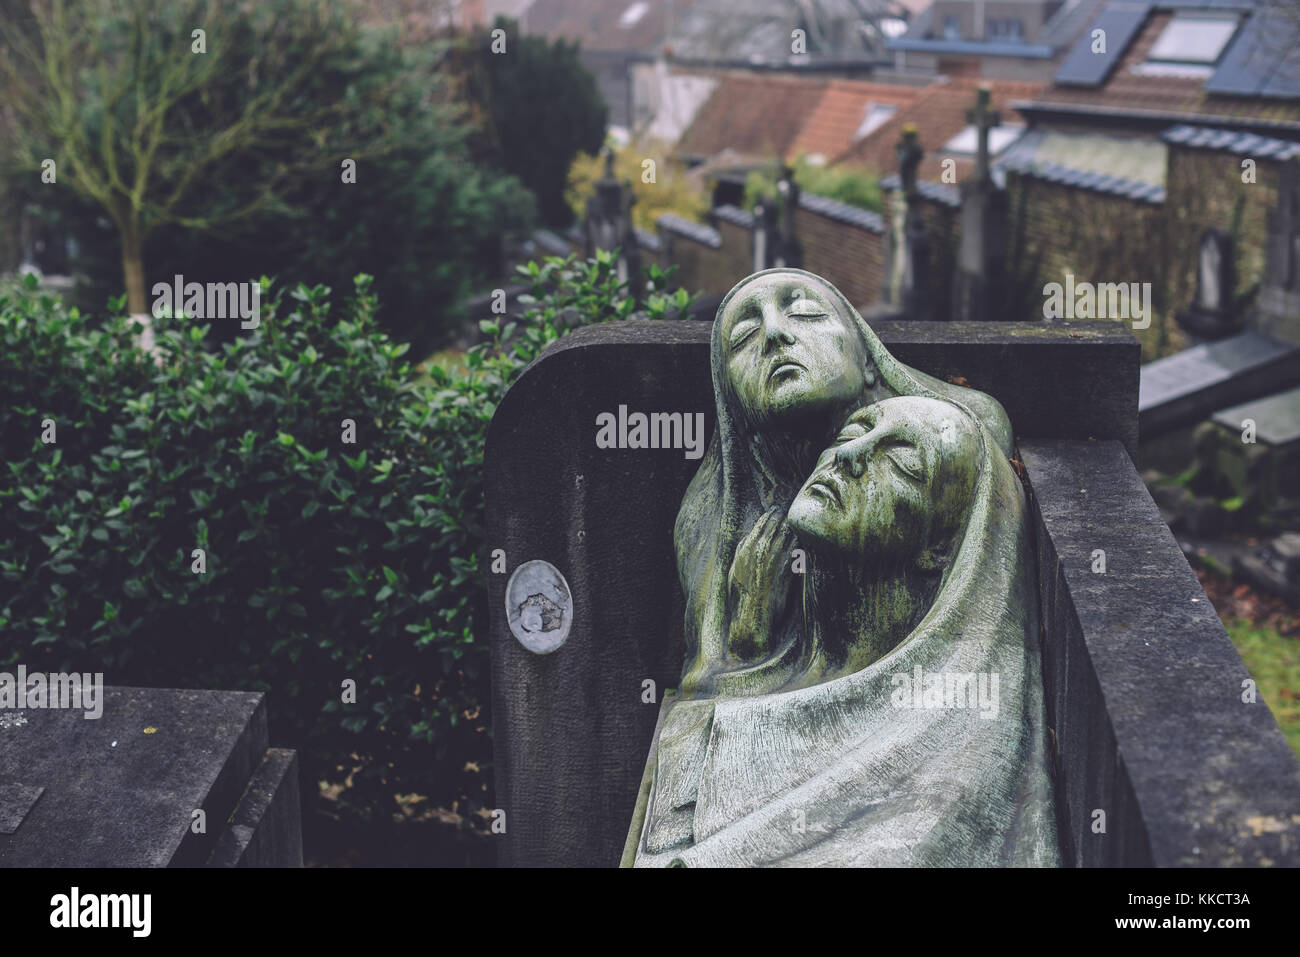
[{"x": 325, "y": 561}]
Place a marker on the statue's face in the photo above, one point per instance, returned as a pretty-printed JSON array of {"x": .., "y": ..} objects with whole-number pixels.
[
  {"x": 790, "y": 349},
  {"x": 896, "y": 482},
  {"x": 531, "y": 618}
]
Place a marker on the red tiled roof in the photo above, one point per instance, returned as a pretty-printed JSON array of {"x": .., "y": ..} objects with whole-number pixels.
[
  {"x": 939, "y": 114},
  {"x": 831, "y": 126},
  {"x": 1128, "y": 91},
  {"x": 755, "y": 114}
]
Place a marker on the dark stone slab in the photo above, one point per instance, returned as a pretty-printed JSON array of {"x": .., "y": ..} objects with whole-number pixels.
[
  {"x": 571, "y": 727},
  {"x": 118, "y": 794},
  {"x": 15, "y": 801},
  {"x": 1276, "y": 417},
  {"x": 266, "y": 828},
  {"x": 1144, "y": 687},
  {"x": 1186, "y": 387}
]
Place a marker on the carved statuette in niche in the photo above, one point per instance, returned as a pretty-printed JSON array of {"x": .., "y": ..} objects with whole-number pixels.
[{"x": 862, "y": 683}]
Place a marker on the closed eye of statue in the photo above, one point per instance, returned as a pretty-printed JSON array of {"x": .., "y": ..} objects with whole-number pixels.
[
  {"x": 741, "y": 331},
  {"x": 907, "y": 459},
  {"x": 806, "y": 309}
]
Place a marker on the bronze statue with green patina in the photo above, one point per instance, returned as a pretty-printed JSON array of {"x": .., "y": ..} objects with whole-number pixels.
[{"x": 862, "y": 683}]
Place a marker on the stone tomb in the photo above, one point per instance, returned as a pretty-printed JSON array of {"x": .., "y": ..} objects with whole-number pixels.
[
  {"x": 121, "y": 790},
  {"x": 1144, "y": 690}
]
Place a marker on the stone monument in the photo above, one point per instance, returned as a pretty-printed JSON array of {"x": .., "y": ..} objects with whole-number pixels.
[
  {"x": 1279, "y": 295},
  {"x": 907, "y": 253},
  {"x": 1147, "y": 716},
  {"x": 862, "y": 681},
  {"x": 609, "y": 222},
  {"x": 775, "y": 241},
  {"x": 981, "y": 260},
  {"x": 1211, "y": 315}
]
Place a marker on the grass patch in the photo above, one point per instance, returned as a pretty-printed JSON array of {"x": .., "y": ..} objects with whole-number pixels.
[{"x": 1273, "y": 660}]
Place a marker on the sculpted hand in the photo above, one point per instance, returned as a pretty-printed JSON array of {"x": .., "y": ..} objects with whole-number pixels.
[{"x": 759, "y": 583}]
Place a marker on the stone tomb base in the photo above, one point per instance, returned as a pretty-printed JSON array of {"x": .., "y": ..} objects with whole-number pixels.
[{"x": 121, "y": 790}]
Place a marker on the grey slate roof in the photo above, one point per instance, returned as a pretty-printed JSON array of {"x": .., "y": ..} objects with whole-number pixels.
[
  {"x": 692, "y": 230},
  {"x": 550, "y": 243},
  {"x": 935, "y": 192},
  {"x": 730, "y": 213},
  {"x": 647, "y": 239},
  {"x": 1097, "y": 182},
  {"x": 1232, "y": 141},
  {"x": 842, "y": 212}
]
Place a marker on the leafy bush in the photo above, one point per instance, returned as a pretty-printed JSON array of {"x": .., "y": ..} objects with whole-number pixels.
[
  {"x": 672, "y": 191},
  {"x": 325, "y": 561},
  {"x": 847, "y": 184}
]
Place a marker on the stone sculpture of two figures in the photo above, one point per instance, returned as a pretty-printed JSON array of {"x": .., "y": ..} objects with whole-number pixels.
[{"x": 862, "y": 683}]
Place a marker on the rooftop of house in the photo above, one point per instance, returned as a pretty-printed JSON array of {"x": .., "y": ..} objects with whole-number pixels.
[
  {"x": 1224, "y": 63},
  {"x": 847, "y": 111},
  {"x": 927, "y": 33},
  {"x": 939, "y": 114},
  {"x": 753, "y": 114}
]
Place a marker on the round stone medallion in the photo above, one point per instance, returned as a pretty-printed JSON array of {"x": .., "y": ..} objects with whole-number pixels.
[{"x": 539, "y": 607}]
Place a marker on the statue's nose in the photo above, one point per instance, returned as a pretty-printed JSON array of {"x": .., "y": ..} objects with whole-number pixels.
[
  {"x": 776, "y": 328},
  {"x": 852, "y": 456}
]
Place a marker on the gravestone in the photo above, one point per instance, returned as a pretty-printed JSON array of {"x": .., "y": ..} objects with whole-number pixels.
[
  {"x": 981, "y": 261},
  {"x": 1266, "y": 471},
  {"x": 1273, "y": 566},
  {"x": 907, "y": 247},
  {"x": 1278, "y": 310},
  {"x": 1184, "y": 388},
  {"x": 1211, "y": 316},
  {"x": 789, "y": 253},
  {"x": 1134, "y": 654},
  {"x": 122, "y": 790},
  {"x": 775, "y": 242},
  {"x": 609, "y": 222},
  {"x": 766, "y": 243}
]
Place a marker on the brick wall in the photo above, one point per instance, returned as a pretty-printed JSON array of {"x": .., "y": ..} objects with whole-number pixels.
[
  {"x": 849, "y": 257},
  {"x": 1056, "y": 229},
  {"x": 735, "y": 260}
]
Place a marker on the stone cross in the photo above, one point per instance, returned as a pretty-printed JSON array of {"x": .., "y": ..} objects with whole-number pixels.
[
  {"x": 1278, "y": 310},
  {"x": 980, "y": 284},
  {"x": 609, "y": 222},
  {"x": 983, "y": 119},
  {"x": 908, "y": 258},
  {"x": 909, "y": 154},
  {"x": 789, "y": 252}
]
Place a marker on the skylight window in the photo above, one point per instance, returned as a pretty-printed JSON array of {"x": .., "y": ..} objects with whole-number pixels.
[
  {"x": 1193, "y": 39},
  {"x": 1000, "y": 137},
  {"x": 874, "y": 116},
  {"x": 633, "y": 14}
]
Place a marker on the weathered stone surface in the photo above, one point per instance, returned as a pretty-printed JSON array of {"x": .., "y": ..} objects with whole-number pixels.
[
  {"x": 1144, "y": 687},
  {"x": 120, "y": 791},
  {"x": 15, "y": 801},
  {"x": 266, "y": 828}
]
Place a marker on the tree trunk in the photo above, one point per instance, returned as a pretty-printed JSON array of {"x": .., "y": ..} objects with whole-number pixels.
[{"x": 133, "y": 272}]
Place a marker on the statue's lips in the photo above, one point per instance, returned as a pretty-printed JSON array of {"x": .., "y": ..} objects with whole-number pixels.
[
  {"x": 782, "y": 367},
  {"x": 823, "y": 486}
]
